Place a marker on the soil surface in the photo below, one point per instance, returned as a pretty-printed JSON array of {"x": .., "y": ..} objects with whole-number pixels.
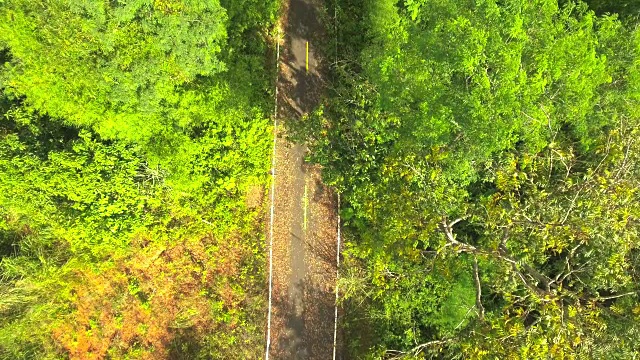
[{"x": 305, "y": 225}]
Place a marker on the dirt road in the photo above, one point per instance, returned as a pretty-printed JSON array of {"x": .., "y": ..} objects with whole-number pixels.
[{"x": 305, "y": 225}]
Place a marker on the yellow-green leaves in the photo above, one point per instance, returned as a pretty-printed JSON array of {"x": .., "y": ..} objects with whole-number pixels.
[{"x": 113, "y": 66}]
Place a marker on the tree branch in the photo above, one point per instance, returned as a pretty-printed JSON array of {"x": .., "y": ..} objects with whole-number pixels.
[
  {"x": 397, "y": 354},
  {"x": 476, "y": 278},
  {"x": 500, "y": 255},
  {"x": 605, "y": 298}
]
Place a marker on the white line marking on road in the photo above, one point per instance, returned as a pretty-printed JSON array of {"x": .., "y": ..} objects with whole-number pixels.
[
  {"x": 273, "y": 195},
  {"x": 335, "y": 320}
]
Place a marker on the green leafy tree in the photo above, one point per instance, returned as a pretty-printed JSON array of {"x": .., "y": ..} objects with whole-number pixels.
[
  {"x": 119, "y": 67},
  {"x": 127, "y": 158},
  {"x": 492, "y": 142}
]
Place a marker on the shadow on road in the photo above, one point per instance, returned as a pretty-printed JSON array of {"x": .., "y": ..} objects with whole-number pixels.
[
  {"x": 304, "y": 304},
  {"x": 300, "y": 90}
]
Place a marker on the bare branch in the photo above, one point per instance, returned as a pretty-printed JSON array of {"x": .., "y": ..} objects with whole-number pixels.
[
  {"x": 464, "y": 317},
  {"x": 476, "y": 278},
  {"x": 605, "y": 298},
  {"x": 503, "y": 256},
  {"x": 451, "y": 224},
  {"x": 397, "y": 354}
]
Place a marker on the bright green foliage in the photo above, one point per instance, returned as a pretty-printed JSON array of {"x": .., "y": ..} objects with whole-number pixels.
[
  {"x": 79, "y": 214},
  {"x": 519, "y": 120},
  {"x": 133, "y": 162},
  {"x": 120, "y": 67},
  {"x": 50, "y": 178},
  {"x": 452, "y": 80}
]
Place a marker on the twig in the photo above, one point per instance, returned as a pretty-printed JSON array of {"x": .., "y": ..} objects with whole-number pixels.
[
  {"x": 476, "y": 278},
  {"x": 605, "y": 298},
  {"x": 397, "y": 354}
]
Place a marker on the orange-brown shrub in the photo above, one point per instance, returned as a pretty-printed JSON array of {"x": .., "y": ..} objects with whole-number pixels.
[{"x": 136, "y": 306}]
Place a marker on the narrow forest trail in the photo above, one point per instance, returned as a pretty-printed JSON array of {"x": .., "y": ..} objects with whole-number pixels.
[{"x": 305, "y": 219}]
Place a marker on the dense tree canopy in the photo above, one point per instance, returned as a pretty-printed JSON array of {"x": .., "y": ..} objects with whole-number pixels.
[
  {"x": 486, "y": 150},
  {"x": 133, "y": 159},
  {"x": 121, "y": 67},
  {"x": 487, "y": 153}
]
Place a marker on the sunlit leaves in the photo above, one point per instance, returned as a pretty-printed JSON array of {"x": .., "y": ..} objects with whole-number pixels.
[
  {"x": 116, "y": 67},
  {"x": 515, "y": 118}
]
